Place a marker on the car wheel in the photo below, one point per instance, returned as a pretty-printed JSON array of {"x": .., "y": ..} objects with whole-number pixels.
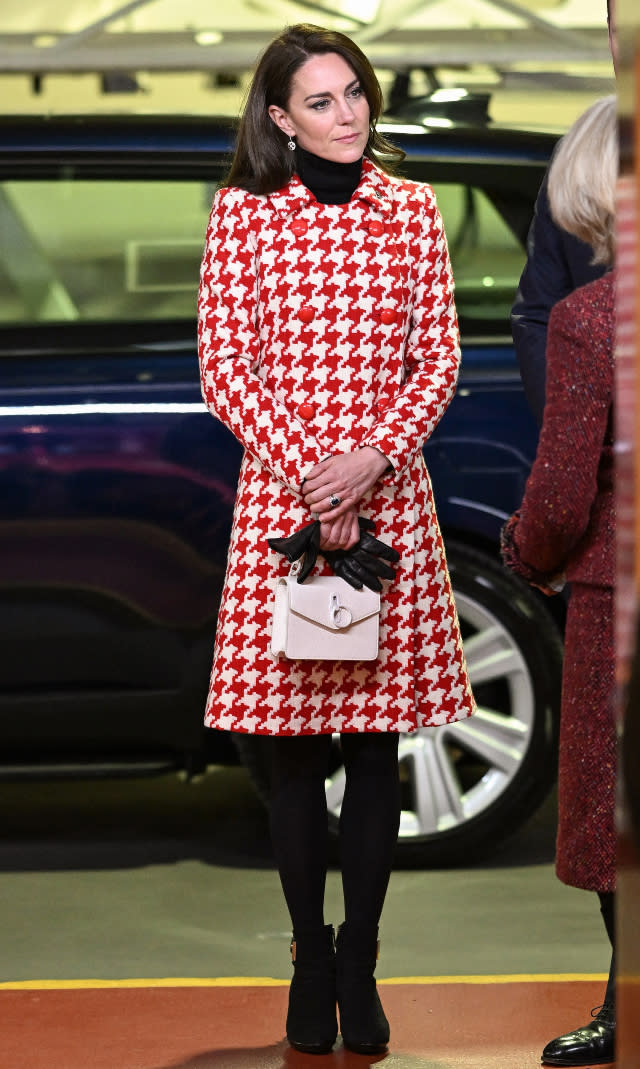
[{"x": 466, "y": 786}]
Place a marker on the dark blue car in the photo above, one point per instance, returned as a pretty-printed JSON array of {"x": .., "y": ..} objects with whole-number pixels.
[{"x": 117, "y": 486}]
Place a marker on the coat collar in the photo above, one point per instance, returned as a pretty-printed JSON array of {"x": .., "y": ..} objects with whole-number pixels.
[{"x": 375, "y": 187}]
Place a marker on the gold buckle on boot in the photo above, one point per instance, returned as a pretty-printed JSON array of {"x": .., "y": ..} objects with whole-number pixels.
[{"x": 292, "y": 948}]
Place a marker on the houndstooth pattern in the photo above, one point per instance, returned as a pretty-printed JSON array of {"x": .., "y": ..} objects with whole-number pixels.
[{"x": 348, "y": 308}]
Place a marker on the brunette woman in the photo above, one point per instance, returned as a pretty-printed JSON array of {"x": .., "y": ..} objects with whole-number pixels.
[{"x": 329, "y": 346}]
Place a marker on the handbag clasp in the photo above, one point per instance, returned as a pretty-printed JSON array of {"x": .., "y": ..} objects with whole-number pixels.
[{"x": 341, "y": 616}]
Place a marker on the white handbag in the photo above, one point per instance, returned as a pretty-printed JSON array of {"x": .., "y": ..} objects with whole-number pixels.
[{"x": 324, "y": 619}]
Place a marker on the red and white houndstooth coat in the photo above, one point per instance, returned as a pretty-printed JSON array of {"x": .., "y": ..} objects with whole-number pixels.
[{"x": 323, "y": 328}]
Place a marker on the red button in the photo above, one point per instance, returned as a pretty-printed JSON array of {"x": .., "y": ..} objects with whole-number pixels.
[
  {"x": 306, "y": 313},
  {"x": 299, "y": 227},
  {"x": 306, "y": 410},
  {"x": 387, "y": 315},
  {"x": 376, "y": 228}
]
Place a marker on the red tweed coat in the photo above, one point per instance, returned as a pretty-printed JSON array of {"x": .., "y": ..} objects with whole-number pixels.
[
  {"x": 323, "y": 328},
  {"x": 567, "y": 523}
]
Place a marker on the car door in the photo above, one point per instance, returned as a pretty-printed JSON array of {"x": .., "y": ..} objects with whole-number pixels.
[{"x": 116, "y": 486}]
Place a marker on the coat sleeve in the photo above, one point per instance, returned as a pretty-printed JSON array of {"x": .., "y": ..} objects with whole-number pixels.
[
  {"x": 229, "y": 346},
  {"x": 563, "y": 482},
  {"x": 557, "y": 263},
  {"x": 431, "y": 357}
]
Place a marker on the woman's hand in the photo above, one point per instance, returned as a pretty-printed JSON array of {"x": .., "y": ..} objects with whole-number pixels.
[
  {"x": 340, "y": 533},
  {"x": 348, "y": 477},
  {"x": 554, "y": 586}
]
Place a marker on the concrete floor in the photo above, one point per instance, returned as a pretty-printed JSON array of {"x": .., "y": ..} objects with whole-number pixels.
[{"x": 157, "y": 878}]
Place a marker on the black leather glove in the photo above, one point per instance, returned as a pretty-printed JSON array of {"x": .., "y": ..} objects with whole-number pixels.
[
  {"x": 359, "y": 566},
  {"x": 364, "y": 563},
  {"x": 305, "y": 542}
]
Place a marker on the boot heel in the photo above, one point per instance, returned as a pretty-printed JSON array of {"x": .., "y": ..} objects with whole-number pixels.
[{"x": 363, "y": 1024}]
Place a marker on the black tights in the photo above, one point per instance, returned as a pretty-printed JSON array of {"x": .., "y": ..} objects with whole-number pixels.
[
  {"x": 607, "y": 908},
  {"x": 369, "y": 821}
]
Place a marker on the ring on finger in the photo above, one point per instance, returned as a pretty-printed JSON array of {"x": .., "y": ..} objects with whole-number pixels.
[{"x": 334, "y": 501}]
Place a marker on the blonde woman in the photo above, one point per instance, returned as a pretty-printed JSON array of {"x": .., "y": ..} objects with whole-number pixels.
[{"x": 564, "y": 530}]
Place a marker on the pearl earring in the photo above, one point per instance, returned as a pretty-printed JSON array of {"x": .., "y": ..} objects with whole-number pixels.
[{"x": 291, "y": 144}]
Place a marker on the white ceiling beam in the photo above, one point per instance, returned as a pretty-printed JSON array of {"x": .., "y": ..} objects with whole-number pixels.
[
  {"x": 72, "y": 40},
  {"x": 391, "y": 13},
  {"x": 558, "y": 33},
  {"x": 179, "y": 52},
  {"x": 332, "y": 9},
  {"x": 288, "y": 11}
]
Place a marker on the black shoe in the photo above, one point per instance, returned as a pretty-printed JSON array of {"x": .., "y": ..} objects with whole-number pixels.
[
  {"x": 592, "y": 1045},
  {"x": 312, "y": 1022},
  {"x": 363, "y": 1024}
]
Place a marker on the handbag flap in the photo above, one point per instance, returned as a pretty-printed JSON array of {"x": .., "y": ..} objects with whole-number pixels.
[{"x": 331, "y": 602}]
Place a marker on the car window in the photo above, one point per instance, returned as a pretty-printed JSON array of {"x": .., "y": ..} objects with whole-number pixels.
[
  {"x": 76, "y": 250},
  {"x": 121, "y": 251},
  {"x": 486, "y": 256}
]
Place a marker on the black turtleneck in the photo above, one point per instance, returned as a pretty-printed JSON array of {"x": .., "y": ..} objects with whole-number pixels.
[{"x": 330, "y": 182}]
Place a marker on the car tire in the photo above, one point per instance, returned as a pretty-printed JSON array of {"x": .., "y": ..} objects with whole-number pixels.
[{"x": 468, "y": 785}]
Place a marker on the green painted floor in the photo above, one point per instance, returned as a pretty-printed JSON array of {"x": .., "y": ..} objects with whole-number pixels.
[{"x": 158, "y": 878}]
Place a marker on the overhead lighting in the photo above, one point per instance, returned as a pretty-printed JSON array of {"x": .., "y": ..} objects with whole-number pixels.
[
  {"x": 104, "y": 408},
  {"x": 45, "y": 40},
  {"x": 436, "y": 120},
  {"x": 208, "y": 37},
  {"x": 363, "y": 10},
  {"x": 399, "y": 128},
  {"x": 445, "y": 95}
]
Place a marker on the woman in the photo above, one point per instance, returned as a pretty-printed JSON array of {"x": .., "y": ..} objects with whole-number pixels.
[
  {"x": 329, "y": 346},
  {"x": 565, "y": 529}
]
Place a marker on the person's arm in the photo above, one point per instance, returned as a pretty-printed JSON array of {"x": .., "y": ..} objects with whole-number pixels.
[
  {"x": 431, "y": 357},
  {"x": 544, "y": 281},
  {"x": 229, "y": 352},
  {"x": 557, "y": 263},
  {"x": 563, "y": 482}
]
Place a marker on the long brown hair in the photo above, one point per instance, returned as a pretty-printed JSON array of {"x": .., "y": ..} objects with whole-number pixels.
[{"x": 262, "y": 162}]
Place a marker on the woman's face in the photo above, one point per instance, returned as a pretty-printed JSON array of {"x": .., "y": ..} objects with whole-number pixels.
[{"x": 327, "y": 113}]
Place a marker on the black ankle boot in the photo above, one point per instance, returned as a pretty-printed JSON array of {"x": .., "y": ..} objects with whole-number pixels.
[
  {"x": 312, "y": 1023},
  {"x": 592, "y": 1045},
  {"x": 364, "y": 1027}
]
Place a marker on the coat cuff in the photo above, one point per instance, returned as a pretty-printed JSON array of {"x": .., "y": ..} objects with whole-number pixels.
[
  {"x": 385, "y": 444},
  {"x": 512, "y": 559}
]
